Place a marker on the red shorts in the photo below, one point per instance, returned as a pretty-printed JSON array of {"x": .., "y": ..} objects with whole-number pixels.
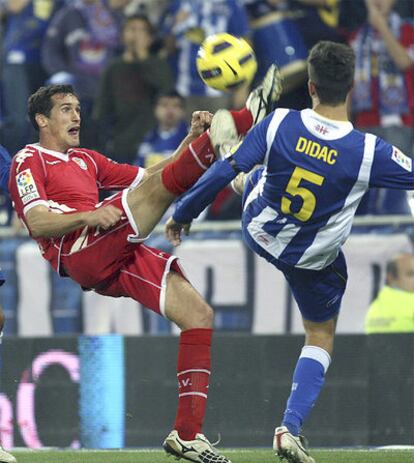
[{"x": 115, "y": 263}]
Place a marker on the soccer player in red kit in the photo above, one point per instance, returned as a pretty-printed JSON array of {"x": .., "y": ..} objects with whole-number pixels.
[{"x": 55, "y": 184}]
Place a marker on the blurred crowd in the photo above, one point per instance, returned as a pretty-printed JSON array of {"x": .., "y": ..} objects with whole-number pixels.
[{"x": 132, "y": 63}]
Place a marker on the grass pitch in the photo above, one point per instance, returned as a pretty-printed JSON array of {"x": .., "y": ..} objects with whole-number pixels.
[{"x": 236, "y": 456}]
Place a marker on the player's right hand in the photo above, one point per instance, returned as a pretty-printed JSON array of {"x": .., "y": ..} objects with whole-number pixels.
[
  {"x": 104, "y": 217},
  {"x": 173, "y": 231}
]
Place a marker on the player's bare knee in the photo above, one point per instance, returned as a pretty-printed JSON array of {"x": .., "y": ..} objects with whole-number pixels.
[{"x": 204, "y": 316}]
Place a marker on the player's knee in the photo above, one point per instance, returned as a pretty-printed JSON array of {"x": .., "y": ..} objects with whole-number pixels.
[{"x": 204, "y": 316}]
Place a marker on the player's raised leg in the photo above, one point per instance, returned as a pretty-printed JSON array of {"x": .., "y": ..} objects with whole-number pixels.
[
  {"x": 228, "y": 126},
  {"x": 149, "y": 201},
  {"x": 185, "y": 307}
]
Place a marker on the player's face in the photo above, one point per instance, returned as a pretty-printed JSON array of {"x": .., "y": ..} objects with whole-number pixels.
[
  {"x": 405, "y": 278},
  {"x": 63, "y": 125},
  {"x": 169, "y": 111},
  {"x": 136, "y": 33}
]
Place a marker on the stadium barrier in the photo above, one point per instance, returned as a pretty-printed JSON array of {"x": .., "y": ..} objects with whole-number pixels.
[
  {"x": 236, "y": 282},
  {"x": 49, "y": 386}
]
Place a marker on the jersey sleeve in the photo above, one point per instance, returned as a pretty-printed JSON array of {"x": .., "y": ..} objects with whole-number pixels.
[
  {"x": 254, "y": 147},
  {"x": 204, "y": 191},
  {"x": 391, "y": 168},
  {"x": 114, "y": 176},
  {"x": 27, "y": 182}
]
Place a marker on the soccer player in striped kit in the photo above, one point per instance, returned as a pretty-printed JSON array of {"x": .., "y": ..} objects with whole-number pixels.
[{"x": 298, "y": 210}]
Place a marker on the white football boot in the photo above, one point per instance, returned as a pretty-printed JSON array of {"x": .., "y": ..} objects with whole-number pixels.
[
  {"x": 6, "y": 457},
  {"x": 199, "y": 450},
  {"x": 260, "y": 103},
  {"x": 223, "y": 133},
  {"x": 291, "y": 448},
  {"x": 262, "y": 99}
]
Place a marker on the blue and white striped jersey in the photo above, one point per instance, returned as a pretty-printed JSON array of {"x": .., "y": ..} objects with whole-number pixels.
[{"x": 316, "y": 172}]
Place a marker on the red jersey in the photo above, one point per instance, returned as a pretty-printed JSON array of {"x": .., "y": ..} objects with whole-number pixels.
[{"x": 65, "y": 183}]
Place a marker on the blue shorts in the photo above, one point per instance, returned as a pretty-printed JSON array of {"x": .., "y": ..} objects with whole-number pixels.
[{"x": 318, "y": 293}]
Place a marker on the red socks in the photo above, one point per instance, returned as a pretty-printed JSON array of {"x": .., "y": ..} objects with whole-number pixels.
[
  {"x": 181, "y": 174},
  {"x": 243, "y": 120},
  {"x": 193, "y": 374}
]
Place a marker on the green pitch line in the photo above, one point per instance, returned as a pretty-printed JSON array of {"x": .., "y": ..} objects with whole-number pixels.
[{"x": 236, "y": 456}]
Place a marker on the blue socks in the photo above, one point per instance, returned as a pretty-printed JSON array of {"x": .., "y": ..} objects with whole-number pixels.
[{"x": 308, "y": 379}]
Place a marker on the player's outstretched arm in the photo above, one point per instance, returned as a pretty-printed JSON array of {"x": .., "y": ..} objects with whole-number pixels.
[{"x": 43, "y": 223}]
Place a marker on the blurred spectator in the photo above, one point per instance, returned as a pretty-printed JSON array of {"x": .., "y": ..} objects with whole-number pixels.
[
  {"x": 170, "y": 130},
  {"x": 277, "y": 39},
  {"x": 22, "y": 72},
  {"x": 383, "y": 97},
  {"x": 352, "y": 15},
  {"x": 151, "y": 8},
  {"x": 80, "y": 40},
  {"x": 393, "y": 309},
  {"x": 186, "y": 24},
  {"x": 128, "y": 89},
  {"x": 323, "y": 15}
]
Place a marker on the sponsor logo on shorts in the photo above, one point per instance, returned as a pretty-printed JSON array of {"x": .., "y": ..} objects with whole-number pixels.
[
  {"x": 26, "y": 186},
  {"x": 402, "y": 160}
]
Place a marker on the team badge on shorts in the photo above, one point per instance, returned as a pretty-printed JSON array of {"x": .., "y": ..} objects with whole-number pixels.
[
  {"x": 81, "y": 163},
  {"x": 26, "y": 186},
  {"x": 402, "y": 160}
]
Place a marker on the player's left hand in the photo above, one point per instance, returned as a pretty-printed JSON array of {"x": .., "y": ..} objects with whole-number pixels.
[
  {"x": 200, "y": 122},
  {"x": 173, "y": 231}
]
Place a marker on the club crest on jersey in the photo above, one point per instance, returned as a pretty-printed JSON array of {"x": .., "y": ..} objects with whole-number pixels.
[
  {"x": 402, "y": 160},
  {"x": 26, "y": 186},
  {"x": 321, "y": 129},
  {"x": 80, "y": 162}
]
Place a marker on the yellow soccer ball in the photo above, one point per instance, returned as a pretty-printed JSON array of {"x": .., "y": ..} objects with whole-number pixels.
[{"x": 224, "y": 62}]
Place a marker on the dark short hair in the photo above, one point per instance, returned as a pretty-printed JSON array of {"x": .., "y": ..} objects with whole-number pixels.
[
  {"x": 41, "y": 101},
  {"x": 331, "y": 68},
  {"x": 140, "y": 17},
  {"x": 171, "y": 94}
]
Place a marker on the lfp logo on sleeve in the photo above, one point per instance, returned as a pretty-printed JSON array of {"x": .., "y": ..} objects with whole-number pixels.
[
  {"x": 402, "y": 159},
  {"x": 26, "y": 186}
]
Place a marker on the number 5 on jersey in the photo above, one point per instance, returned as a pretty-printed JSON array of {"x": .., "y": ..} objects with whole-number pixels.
[{"x": 308, "y": 198}]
